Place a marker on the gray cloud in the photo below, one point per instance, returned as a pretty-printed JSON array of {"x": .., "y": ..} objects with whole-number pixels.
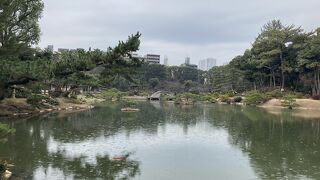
[{"x": 176, "y": 28}]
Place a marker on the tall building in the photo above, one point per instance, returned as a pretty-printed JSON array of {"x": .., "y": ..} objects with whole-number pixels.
[
  {"x": 166, "y": 61},
  {"x": 63, "y": 50},
  {"x": 188, "y": 64},
  {"x": 187, "y": 60},
  {"x": 207, "y": 64},
  {"x": 50, "y": 48},
  {"x": 152, "y": 58}
]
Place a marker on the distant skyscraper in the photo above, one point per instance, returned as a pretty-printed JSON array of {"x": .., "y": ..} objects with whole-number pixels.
[
  {"x": 166, "y": 61},
  {"x": 50, "y": 48},
  {"x": 187, "y": 60},
  {"x": 188, "y": 64},
  {"x": 207, "y": 64}
]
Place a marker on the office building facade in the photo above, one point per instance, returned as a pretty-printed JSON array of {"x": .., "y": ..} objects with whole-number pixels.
[
  {"x": 207, "y": 64},
  {"x": 152, "y": 58}
]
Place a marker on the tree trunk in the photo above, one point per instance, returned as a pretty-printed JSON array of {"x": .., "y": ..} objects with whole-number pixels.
[
  {"x": 317, "y": 81},
  {"x": 282, "y": 69}
]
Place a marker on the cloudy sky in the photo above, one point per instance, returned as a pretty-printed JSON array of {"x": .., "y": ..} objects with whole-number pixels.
[{"x": 175, "y": 28}]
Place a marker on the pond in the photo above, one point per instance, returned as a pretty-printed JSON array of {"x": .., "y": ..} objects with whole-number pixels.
[{"x": 165, "y": 142}]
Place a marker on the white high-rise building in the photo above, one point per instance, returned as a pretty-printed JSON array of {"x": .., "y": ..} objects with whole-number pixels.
[
  {"x": 152, "y": 58},
  {"x": 207, "y": 64},
  {"x": 166, "y": 61}
]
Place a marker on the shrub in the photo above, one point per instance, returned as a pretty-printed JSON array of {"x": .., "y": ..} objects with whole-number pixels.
[
  {"x": 213, "y": 100},
  {"x": 230, "y": 94},
  {"x": 237, "y": 99},
  {"x": 224, "y": 98},
  {"x": 189, "y": 96},
  {"x": 55, "y": 94},
  {"x": 288, "y": 101},
  {"x": 129, "y": 103},
  {"x": 275, "y": 93},
  {"x": 206, "y": 97},
  {"x": 39, "y": 101},
  {"x": 255, "y": 98},
  {"x": 112, "y": 93},
  {"x": 22, "y": 93}
]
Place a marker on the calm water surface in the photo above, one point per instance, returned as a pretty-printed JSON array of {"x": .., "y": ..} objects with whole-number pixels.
[{"x": 165, "y": 142}]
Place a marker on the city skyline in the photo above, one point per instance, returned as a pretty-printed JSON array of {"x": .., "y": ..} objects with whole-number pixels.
[{"x": 198, "y": 29}]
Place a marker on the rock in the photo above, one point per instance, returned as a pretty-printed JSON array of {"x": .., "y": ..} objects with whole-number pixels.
[{"x": 7, "y": 174}]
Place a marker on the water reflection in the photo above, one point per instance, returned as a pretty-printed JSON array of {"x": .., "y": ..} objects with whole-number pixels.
[{"x": 165, "y": 141}]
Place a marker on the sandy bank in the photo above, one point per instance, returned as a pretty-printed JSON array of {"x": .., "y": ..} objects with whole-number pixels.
[
  {"x": 305, "y": 108},
  {"x": 19, "y": 107},
  {"x": 308, "y": 104}
]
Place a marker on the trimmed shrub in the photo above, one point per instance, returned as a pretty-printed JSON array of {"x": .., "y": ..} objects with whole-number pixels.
[
  {"x": 112, "y": 93},
  {"x": 237, "y": 99},
  {"x": 255, "y": 98},
  {"x": 289, "y": 101},
  {"x": 275, "y": 93},
  {"x": 224, "y": 98},
  {"x": 39, "y": 101}
]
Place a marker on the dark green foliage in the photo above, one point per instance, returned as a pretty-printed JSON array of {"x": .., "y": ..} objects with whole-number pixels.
[
  {"x": 111, "y": 93},
  {"x": 119, "y": 61},
  {"x": 237, "y": 99},
  {"x": 275, "y": 93},
  {"x": 289, "y": 101},
  {"x": 19, "y": 27},
  {"x": 255, "y": 98},
  {"x": 227, "y": 79},
  {"x": 40, "y": 101},
  {"x": 153, "y": 82},
  {"x": 282, "y": 57},
  {"x": 224, "y": 98},
  {"x": 129, "y": 104}
]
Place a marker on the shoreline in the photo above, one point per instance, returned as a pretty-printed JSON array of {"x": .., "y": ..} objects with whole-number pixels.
[{"x": 19, "y": 108}]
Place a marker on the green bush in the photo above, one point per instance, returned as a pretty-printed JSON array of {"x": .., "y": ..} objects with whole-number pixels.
[
  {"x": 213, "y": 100},
  {"x": 224, "y": 98},
  {"x": 112, "y": 93},
  {"x": 275, "y": 93},
  {"x": 22, "y": 93},
  {"x": 129, "y": 103},
  {"x": 39, "y": 101},
  {"x": 55, "y": 94},
  {"x": 289, "y": 101},
  {"x": 237, "y": 99},
  {"x": 255, "y": 98}
]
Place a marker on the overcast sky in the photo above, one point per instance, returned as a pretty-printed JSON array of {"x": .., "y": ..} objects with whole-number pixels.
[{"x": 175, "y": 28}]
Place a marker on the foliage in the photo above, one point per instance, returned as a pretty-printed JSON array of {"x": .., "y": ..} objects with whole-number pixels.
[
  {"x": 224, "y": 98},
  {"x": 119, "y": 60},
  {"x": 129, "y": 103},
  {"x": 19, "y": 27},
  {"x": 275, "y": 93},
  {"x": 153, "y": 82},
  {"x": 288, "y": 101},
  {"x": 255, "y": 98},
  {"x": 226, "y": 79},
  {"x": 40, "y": 101},
  {"x": 111, "y": 93},
  {"x": 237, "y": 99}
]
